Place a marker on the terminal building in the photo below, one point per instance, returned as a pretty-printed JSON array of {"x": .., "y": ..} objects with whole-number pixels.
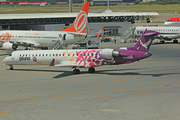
[{"x": 114, "y": 22}]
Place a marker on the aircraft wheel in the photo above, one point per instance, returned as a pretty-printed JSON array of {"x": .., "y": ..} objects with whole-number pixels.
[
  {"x": 175, "y": 41},
  {"x": 91, "y": 70},
  {"x": 26, "y": 48},
  {"x": 11, "y": 67},
  {"x": 76, "y": 71},
  {"x": 162, "y": 42}
]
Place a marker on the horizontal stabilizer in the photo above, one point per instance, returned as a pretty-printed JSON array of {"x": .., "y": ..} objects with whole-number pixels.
[{"x": 148, "y": 34}]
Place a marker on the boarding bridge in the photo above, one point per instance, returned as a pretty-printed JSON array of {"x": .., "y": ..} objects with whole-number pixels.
[{"x": 127, "y": 34}]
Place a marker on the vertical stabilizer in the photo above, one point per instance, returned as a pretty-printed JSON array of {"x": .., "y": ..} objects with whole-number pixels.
[
  {"x": 145, "y": 41},
  {"x": 80, "y": 23},
  {"x": 99, "y": 34}
]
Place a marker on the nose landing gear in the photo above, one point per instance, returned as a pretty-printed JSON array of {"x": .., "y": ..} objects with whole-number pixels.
[{"x": 11, "y": 67}]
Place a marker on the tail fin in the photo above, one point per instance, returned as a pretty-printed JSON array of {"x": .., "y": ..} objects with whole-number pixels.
[
  {"x": 79, "y": 24},
  {"x": 145, "y": 41},
  {"x": 100, "y": 34}
]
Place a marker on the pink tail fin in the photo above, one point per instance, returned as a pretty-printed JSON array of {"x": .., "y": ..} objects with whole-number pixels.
[{"x": 79, "y": 24}]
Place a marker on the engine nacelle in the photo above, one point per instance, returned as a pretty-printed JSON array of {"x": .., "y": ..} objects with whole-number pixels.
[
  {"x": 110, "y": 53},
  {"x": 8, "y": 46}
]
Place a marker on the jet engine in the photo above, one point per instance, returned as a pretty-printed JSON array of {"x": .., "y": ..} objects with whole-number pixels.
[
  {"x": 8, "y": 46},
  {"x": 110, "y": 53}
]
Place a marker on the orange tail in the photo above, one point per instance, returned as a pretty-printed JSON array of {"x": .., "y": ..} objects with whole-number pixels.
[
  {"x": 79, "y": 24},
  {"x": 99, "y": 34}
]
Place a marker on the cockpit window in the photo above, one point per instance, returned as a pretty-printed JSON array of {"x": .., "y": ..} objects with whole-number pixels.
[
  {"x": 168, "y": 20},
  {"x": 10, "y": 54}
]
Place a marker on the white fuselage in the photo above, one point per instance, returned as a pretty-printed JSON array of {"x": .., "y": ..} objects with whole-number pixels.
[
  {"x": 172, "y": 23},
  {"x": 167, "y": 33},
  {"x": 37, "y": 38},
  {"x": 44, "y": 57}
]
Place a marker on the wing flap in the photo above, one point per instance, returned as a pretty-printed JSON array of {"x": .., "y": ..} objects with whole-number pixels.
[{"x": 65, "y": 64}]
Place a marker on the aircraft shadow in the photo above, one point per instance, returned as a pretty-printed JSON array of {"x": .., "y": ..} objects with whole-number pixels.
[
  {"x": 121, "y": 72},
  {"x": 67, "y": 73}
]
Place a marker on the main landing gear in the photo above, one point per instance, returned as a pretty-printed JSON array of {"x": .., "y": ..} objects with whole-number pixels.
[
  {"x": 76, "y": 71},
  {"x": 90, "y": 70}
]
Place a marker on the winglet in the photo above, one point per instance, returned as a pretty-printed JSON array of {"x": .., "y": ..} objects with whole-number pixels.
[
  {"x": 52, "y": 62},
  {"x": 79, "y": 24},
  {"x": 100, "y": 34}
]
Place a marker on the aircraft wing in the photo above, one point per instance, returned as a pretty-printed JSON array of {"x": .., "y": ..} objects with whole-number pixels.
[
  {"x": 65, "y": 64},
  {"x": 78, "y": 34},
  {"x": 25, "y": 43}
]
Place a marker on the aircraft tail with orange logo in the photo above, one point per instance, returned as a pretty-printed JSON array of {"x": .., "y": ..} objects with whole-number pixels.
[
  {"x": 80, "y": 23},
  {"x": 99, "y": 34}
]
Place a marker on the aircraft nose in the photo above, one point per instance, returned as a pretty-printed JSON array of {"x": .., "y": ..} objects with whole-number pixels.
[
  {"x": 166, "y": 23},
  {"x": 4, "y": 61}
]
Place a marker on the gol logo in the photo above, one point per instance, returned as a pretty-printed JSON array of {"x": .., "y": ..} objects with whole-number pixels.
[
  {"x": 80, "y": 22},
  {"x": 5, "y": 37}
]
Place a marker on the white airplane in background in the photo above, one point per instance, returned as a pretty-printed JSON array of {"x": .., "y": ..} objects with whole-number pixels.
[
  {"x": 166, "y": 33},
  {"x": 11, "y": 39},
  {"x": 174, "y": 21}
]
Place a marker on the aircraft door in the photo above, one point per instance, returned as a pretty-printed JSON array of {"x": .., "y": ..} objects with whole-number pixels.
[{"x": 64, "y": 37}]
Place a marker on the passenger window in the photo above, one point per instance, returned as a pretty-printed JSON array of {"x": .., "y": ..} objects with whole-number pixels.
[
  {"x": 59, "y": 54},
  {"x": 49, "y": 54},
  {"x": 39, "y": 54},
  {"x": 43, "y": 55},
  {"x": 53, "y": 54},
  {"x": 20, "y": 54},
  {"x": 33, "y": 55},
  {"x": 46, "y": 54}
]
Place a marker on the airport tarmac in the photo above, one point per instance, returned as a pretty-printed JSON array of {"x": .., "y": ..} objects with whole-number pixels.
[{"x": 144, "y": 90}]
